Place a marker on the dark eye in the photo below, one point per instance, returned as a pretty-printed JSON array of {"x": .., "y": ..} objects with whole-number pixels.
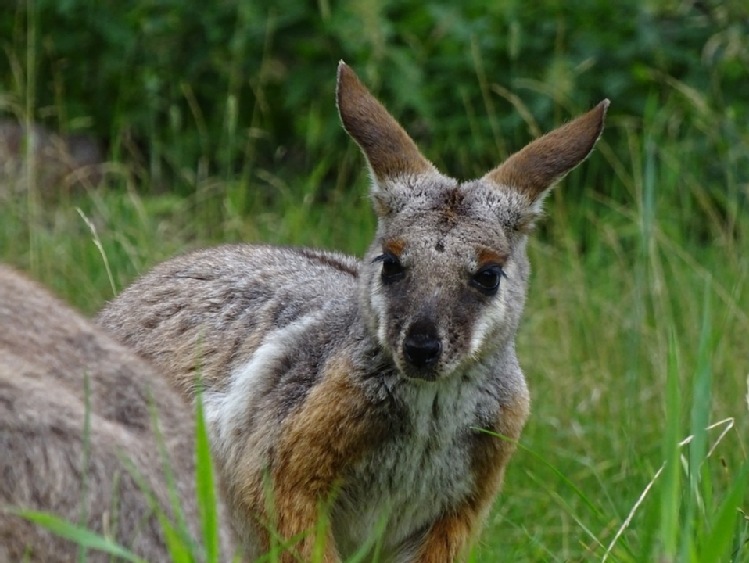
[
  {"x": 392, "y": 270},
  {"x": 487, "y": 279}
]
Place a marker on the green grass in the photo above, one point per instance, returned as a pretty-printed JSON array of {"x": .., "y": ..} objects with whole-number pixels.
[{"x": 634, "y": 340}]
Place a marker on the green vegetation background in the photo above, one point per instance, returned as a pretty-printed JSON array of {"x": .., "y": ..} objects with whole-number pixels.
[{"x": 218, "y": 124}]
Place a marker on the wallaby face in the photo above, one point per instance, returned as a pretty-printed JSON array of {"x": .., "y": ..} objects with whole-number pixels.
[
  {"x": 49, "y": 463},
  {"x": 446, "y": 275},
  {"x": 362, "y": 390},
  {"x": 433, "y": 280}
]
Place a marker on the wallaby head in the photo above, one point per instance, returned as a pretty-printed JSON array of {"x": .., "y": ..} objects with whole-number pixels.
[{"x": 444, "y": 281}]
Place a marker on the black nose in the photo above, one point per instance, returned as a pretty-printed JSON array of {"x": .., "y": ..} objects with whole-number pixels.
[{"x": 422, "y": 346}]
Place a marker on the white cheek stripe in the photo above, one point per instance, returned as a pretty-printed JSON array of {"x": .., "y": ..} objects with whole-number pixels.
[
  {"x": 377, "y": 301},
  {"x": 227, "y": 410},
  {"x": 492, "y": 316}
]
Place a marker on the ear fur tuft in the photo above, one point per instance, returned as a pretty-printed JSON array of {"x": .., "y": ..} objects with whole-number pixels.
[{"x": 535, "y": 168}]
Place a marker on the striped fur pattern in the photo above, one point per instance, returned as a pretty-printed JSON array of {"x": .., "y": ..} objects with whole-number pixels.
[
  {"x": 354, "y": 390},
  {"x": 47, "y": 463}
]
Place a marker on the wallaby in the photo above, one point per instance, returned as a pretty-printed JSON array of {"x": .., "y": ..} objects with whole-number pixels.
[
  {"x": 110, "y": 478},
  {"x": 359, "y": 391}
]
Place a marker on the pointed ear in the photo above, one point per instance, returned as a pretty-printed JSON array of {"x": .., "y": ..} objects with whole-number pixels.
[
  {"x": 388, "y": 149},
  {"x": 535, "y": 168}
]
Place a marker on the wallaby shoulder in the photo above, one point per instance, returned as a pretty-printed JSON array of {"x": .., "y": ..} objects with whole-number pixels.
[{"x": 202, "y": 314}]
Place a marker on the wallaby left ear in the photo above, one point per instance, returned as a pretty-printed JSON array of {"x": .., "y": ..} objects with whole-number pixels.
[
  {"x": 534, "y": 169},
  {"x": 389, "y": 150}
]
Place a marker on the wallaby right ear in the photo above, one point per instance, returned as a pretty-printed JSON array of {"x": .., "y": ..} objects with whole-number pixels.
[
  {"x": 535, "y": 168},
  {"x": 389, "y": 151}
]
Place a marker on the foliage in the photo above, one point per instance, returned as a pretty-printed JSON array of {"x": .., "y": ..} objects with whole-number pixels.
[{"x": 193, "y": 93}]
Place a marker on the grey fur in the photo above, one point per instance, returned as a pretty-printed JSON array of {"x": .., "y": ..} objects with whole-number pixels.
[{"x": 46, "y": 351}]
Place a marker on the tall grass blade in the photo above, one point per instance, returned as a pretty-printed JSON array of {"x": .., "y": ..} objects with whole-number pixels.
[
  {"x": 717, "y": 541},
  {"x": 77, "y": 534},
  {"x": 171, "y": 481},
  {"x": 700, "y": 416},
  {"x": 205, "y": 486},
  {"x": 85, "y": 462},
  {"x": 670, "y": 495}
]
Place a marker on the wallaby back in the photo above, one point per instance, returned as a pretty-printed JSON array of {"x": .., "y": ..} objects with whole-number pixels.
[
  {"x": 357, "y": 391},
  {"x": 46, "y": 352}
]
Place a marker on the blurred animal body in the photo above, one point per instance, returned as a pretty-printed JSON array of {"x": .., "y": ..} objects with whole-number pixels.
[{"x": 47, "y": 463}]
